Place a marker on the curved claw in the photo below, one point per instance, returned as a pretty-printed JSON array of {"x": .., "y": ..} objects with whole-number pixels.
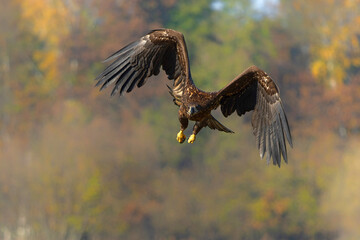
[
  {"x": 180, "y": 137},
  {"x": 192, "y": 138}
]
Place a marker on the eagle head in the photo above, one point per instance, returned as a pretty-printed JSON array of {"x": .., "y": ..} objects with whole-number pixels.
[{"x": 192, "y": 110}]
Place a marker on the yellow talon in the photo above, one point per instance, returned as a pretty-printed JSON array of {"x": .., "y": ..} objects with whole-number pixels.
[
  {"x": 180, "y": 137},
  {"x": 192, "y": 138}
]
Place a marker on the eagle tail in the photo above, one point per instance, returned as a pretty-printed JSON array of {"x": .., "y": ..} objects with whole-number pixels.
[{"x": 212, "y": 123}]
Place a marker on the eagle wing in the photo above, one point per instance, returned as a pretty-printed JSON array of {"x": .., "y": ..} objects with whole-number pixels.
[
  {"x": 255, "y": 90},
  {"x": 139, "y": 60}
]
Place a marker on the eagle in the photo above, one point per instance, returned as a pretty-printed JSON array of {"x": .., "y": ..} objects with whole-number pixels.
[{"x": 252, "y": 90}]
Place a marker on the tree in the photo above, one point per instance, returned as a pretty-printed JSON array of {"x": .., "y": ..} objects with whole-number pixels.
[{"x": 333, "y": 37}]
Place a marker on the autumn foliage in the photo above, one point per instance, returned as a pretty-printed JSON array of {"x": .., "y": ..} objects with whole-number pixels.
[{"x": 78, "y": 164}]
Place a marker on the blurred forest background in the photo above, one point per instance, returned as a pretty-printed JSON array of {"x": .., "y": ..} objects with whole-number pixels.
[{"x": 75, "y": 163}]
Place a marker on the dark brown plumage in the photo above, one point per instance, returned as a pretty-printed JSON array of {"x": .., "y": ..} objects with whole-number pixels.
[{"x": 251, "y": 90}]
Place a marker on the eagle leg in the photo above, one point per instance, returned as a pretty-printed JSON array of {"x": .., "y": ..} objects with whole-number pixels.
[
  {"x": 197, "y": 127},
  {"x": 180, "y": 137},
  {"x": 184, "y": 123},
  {"x": 192, "y": 138}
]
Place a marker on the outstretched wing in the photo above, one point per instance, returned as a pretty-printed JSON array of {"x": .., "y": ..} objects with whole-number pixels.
[
  {"x": 255, "y": 90},
  {"x": 139, "y": 60}
]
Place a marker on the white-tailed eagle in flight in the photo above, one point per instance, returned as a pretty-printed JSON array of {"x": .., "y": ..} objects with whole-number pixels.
[{"x": 252, "y": 90}]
